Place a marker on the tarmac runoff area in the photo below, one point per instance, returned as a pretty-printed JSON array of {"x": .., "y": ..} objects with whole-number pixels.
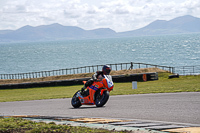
[{"x": 117, "y": 124}]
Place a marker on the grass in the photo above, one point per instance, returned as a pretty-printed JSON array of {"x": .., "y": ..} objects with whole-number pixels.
[
  {"x": 37, "y": 93},
  {"x": 18, "y": 125},
  {"x": 163, "y": 85}
]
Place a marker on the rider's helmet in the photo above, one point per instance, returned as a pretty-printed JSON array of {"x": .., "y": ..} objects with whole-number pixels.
[{"x": 106, "y": 69}]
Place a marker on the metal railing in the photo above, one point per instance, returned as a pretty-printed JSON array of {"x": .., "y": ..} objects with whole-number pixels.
[
  {"x": 85, "y": 69},
  {"x": 188, "y": 70}
]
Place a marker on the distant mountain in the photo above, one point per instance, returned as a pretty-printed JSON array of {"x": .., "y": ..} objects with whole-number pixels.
[
  {"x": 103, "y": 32},
  {"x": 179, "y": 25},
  {"x": 53, "y": 32}
]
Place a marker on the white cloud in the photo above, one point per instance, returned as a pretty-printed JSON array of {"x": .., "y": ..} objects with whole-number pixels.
[{"x": 118, "y": 15}]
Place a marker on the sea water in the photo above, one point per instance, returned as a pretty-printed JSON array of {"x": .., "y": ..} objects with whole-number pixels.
[{"x": 169, "y": 50}]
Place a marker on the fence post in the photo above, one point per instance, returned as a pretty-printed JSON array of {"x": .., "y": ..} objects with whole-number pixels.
[
  {"x": 193, "y": 70},
  {"x": 33, "y": 75},
  {"x": 60, "y": 71}
]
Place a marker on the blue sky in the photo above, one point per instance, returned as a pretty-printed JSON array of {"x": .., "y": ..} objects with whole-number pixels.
[{"x": 119, "y": 15}]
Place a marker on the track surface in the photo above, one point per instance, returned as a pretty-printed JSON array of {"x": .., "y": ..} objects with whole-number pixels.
[{"x": 172, "y": 107}]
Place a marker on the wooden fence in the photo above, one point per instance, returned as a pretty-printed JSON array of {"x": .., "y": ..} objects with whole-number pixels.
[{"x": 85, "y": 69}]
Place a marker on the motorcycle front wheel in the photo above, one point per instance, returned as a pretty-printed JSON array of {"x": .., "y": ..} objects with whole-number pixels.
[
  {"x": 101, "y": 100},
  {"x": 76, "y": 103}
]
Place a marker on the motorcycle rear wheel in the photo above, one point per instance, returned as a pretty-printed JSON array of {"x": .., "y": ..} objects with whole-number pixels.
[
  {"x": 101, "y": 100},
  {"x": 76, "y": 103}
]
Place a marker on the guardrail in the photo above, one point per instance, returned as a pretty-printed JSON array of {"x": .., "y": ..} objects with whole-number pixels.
[
  {"x": 188, "y": 70},
  {"x": 85, "y": 69}
]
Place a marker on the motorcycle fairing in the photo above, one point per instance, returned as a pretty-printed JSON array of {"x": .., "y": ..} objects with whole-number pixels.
[
  {"x": 106, "y": 84},
  {"x": 85, "y": 100},
  {"x": 107, "y": 81},
  {"x": 89, "y": 100}
]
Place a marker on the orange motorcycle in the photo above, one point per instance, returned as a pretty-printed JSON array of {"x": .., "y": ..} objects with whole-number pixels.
[{"x": 96, "y": 94}]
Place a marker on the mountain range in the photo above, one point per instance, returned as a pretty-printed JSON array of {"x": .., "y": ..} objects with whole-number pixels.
[{"x": 180, "y": 25}]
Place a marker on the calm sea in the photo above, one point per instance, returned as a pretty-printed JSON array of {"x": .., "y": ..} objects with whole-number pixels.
[{"x": 169, "y": 50}]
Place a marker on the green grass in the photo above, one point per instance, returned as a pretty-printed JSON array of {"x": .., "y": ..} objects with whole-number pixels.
[
  {"x": 37, "y": 93},
  {"x": 17, "y": 125},
  {"x": 163, "y": 85}
]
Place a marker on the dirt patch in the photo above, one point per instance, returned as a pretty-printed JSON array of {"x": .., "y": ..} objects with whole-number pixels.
[{"x": 82, "y": 75}]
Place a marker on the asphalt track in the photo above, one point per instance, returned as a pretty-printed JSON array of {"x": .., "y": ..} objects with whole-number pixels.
[{"x": 172, "y": 107}]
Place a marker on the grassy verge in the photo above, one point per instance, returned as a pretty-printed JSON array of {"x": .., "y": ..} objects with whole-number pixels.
[
  {"x": 18, "y": 125},
  {"x": 163, "y": 85}
]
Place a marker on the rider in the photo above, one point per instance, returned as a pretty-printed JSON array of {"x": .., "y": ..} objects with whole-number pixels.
[{"x": 98, "y": 76}]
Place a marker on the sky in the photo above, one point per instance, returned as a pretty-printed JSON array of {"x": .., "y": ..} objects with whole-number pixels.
[{"x": 118, "y": 15}]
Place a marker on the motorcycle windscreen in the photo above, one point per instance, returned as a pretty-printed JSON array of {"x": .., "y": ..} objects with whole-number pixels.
[{"x": 109, "y": 81}]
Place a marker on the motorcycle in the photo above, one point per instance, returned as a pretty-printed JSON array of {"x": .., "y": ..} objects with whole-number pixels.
[{"x": 96, "y": 94}]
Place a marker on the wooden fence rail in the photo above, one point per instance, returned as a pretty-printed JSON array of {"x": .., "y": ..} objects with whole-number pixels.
[{"x": 85, "y": 69}]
